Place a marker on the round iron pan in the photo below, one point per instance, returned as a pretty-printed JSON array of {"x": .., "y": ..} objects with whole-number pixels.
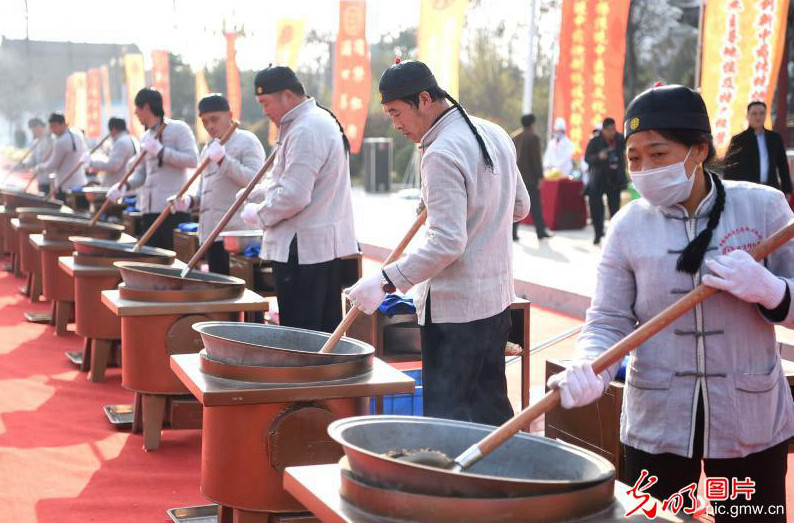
[
  {"x": 61, "y": 227},
  {"x": 172, "y": 296},
  {"x": 148, "y": 276},
  {"x": 254, "y": 344},
  {"x": 98, "y": 247},
  {"x": 525, "y": 465},
  {"x": 301, "y": 374},
  {"x": 95, "y": 193},
  {"x": 19, "y": 198},
  {"x": 427, "y": 508}
]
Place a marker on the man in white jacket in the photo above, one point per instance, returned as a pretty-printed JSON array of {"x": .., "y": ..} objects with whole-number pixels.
[
  {"x": 125, "y": 147},
  {"x": 67, "y": 150},
  {"x": 42, "y": 148},
  {"x": 463, "y": 272},
  {"x": 231, "y": 167},
  {"x": 305, "y": 209}
]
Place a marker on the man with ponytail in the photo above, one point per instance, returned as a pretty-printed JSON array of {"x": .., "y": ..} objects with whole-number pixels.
[
  {"x": 305, "y": 208},
  {"x": 463, "y": 272}
]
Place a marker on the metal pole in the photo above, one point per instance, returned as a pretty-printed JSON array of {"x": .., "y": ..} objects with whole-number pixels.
[
  {"x": 552, "y": 82},
  {"x": 699, "y": 55},
  {"x": 529, "y": 81}
]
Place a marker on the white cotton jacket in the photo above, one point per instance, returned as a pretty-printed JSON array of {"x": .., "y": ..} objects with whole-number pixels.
[
  {"x": 466, "y": 262},
  {"x": 724, "y": 348},
  {"x": 125, "y": 148},
  {"x": 41, "y": 153},
  {"x": 66, "y": 152},
  {"x": 157, "y": 179},
  {"x": 308, "y": 193}
]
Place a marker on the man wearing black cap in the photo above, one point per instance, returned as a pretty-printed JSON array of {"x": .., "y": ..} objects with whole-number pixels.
[
  {"x": 232, "y": 166},
  {"x": 164, "y": 171},
  {"x": 67, "y": 150},
  {"x": 474, "y": 193},
  {"x": 42, "y": 147},
  {"x": 125, "y": 147},
  {"x": 306, "y": 209}
]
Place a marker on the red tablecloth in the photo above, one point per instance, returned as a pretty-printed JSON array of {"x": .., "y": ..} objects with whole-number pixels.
[{"x": 563, "y": 205}]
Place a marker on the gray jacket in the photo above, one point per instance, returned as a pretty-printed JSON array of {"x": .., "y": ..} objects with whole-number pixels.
[
  {"x": 41, "y": 153},
  {"x": 725, "y": 347},
  {"x": 219, "y": 184},
  {"x": 309, "y": 191},
  {"x": 125, "y": 147},
  {"x": 66, "y": 152},
  {"x": 160, "y": 179},
  {"x": 466, "y": 263}
]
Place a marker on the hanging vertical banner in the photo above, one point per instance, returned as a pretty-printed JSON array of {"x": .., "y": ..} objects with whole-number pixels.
[
  {"x": 161, "y": 78},
  {"x": 589, "y": 84},
  {"x": 352, "y": 71},
  {"x": 105, "y": 77},
  {"x": 68, "y": 105},
  {"x": 202, "y": 90},
  {"x": 93, "y": 127},
  {"x": 136, "y": 80},
  {"x": 742, "y": 48},
  {"x": 233, "y": 93},
  {"x": 80, "y": 83},
  {"x": 440, "y": 27},
  {"x": 289, "y": 42}
]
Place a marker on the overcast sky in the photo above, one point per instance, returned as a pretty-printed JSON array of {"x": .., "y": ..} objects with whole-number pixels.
[{"x": 193, "y": 28}]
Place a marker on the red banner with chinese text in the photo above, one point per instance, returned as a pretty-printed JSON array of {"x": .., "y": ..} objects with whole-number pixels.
[
  {"x": 742, "y": 50},
  {"x": 136, "y": 80},
  {"x": 94, "y": 104},
  {"x": 352, "y": 71},
  {"x": 589, "y": 85},
  {"x": 80, "y": 84},
  {"x": 161, "y": 78},
  {"x": 105, "y": 75},
  {"x": 68, "y": 105},
  {"x": 233, "y": 93}
]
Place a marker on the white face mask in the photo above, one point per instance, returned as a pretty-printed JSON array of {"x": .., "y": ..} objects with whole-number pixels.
[{"x": 665, "y": 186}]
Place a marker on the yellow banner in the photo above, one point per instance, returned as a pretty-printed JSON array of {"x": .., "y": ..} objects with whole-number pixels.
[
  {"x": 68, "y": 106},
  {"x": 440, "y": 27},
  {"x": 80, "y": 83},
  {"x": 105, "y": 75},
  {"x": 742, "y": 48},
  {"x": 202, "y": 90},
  {"x": 136, "y": 80},
  {"x": 290, "y": 35}
]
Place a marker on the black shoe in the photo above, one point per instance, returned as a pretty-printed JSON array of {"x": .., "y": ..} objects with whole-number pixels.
[
  {"x": 545, "y": 234},
  {"x": 597, "y": 240}
]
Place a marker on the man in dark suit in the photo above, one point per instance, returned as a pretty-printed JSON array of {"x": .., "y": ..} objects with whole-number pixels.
[
  {"x": 530, "y": 165},
  {"x": 606, "y": 156},
  {"x": 757, "y": 154}
]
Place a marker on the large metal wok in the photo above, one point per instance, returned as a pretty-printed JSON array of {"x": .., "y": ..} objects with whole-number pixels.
[
  {"x": 254, "y": 344},
  {"x": 111, "y": 249},
  {"x": 13, "y": 198},
  {"x": 523, "y": 466},
  {"x": 62, "y": 227},
  {"x": 151, "y": 277},
  {"x": 30, "y": 215}
]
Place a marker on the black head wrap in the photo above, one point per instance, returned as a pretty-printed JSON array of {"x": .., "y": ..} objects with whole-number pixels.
[
  {"x": 404, "y": 79},
  {"x": 672, "y": 108},
  {"x": 213, "y": 103},
  {"x": 276, "y": 78}
]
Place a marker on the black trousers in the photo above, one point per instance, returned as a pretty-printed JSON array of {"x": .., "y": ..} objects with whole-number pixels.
[
  {"x": 596, "y": 199},
  {"x": 767, "y": 468},
  {"x": 536, "y": 210},
  {"x": 463, "y": 369},
  {"x": 163, "y": 237},
  {"x": 309, "y": 296},
  {"x": 218, "y": 258}
]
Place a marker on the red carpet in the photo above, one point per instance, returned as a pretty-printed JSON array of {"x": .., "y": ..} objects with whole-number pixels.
[{"x": 60, "y": 459}]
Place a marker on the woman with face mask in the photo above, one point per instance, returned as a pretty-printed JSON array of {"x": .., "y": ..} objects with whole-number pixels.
[{"x": 709, "y": 389}]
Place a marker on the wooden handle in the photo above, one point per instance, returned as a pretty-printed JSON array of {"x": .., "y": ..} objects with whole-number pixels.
[
  {"x": 164, "y": 214},
  {"x": 124, "y": 178},
  {"x": 229, "y": 214},
  {"x": 353, "y": 313},
  {"x": 24, "y": 157},
  {"x": 616, "y": 353},
  {"x": 66, "y": 178}
]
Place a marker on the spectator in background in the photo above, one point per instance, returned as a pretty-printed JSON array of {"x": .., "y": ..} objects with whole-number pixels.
[
  {"x": 531, "y": 167},
  {"x": 606, "y": 158},
  {"x": 757, "y": 154},
  {"x": 559, "y": 151}
]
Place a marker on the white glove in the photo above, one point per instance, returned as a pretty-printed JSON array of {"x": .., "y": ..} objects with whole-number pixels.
[
  {"x": 367, "y": 294},
  {"x": 180, "y": 205},
  {"x": 86, "y": 158},
  {"x": 739, "y": 274},
  {"x": 578, "y": 385},
  {"x": 152, "y": 146},
  {"x": 216, "y": 151},
  {"x": 114, "y": 193},
  {"x": 256, "y": 195},
  {"x": 250, "y": 214}
]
